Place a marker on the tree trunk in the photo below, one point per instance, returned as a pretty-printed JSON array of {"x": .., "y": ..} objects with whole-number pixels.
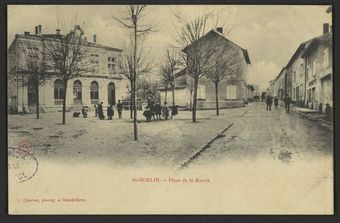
[
  {"x": 37, "y": 95},
  {"x": 134, "y": 85},
  {"x": 166, "y": 94},
  {"x": 64, "y": 103},
  {"x": 131, "y": 101},
  {"x": 173, "y": 95},
  {"x": 194, "y": 100},
  {"x": 216, "y": 94}
]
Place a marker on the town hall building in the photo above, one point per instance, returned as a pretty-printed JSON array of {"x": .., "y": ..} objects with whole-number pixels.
[{"x": 103, "y": 83}]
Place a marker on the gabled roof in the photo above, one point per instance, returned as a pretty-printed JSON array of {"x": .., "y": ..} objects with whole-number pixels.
[
  {"x": 215, "y": 32},
  {"x": 325, "y": 39}
]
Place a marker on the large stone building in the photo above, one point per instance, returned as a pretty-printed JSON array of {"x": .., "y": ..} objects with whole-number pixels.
[
  {"x": 103, "y": 83},
  {"x": 233, "y": 89}
]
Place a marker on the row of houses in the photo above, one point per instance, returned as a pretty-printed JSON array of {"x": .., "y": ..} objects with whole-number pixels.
[
  {"x": 234, "y": 91},
  {"x": 307, "y": 77}
]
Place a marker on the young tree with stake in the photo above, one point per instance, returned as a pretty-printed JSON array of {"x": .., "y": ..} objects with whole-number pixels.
[{"x": 132, "y": 20}]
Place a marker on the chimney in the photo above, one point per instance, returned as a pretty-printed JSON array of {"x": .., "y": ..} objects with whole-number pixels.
[
  {"x": 94, "y": 38},
  {"x": 26, "y": 33},
  {"x": 36, "y": 30},
  {"x": 220, "y": 29},
  {"x": 39, "y": 27},
  {"x": 325, "y": 28},
  {"x": 58, "y": 31}
]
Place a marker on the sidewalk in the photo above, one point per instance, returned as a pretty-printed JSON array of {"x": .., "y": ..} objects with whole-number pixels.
[{"x": 312, "y": 115}]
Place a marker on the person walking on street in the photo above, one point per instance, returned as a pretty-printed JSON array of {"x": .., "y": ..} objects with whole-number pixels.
[
  {"x": 109, "y": 112},
  {"x": 100, "y": 111},
  {"x": 165, "y": 111},
  {"x": 287, "y": 101},
  {"x": 119, "y": 109},
  {"x": 95, "y": 110},
  {"x": 269, "y": 102},
  {"x": 276, "y": 102}
]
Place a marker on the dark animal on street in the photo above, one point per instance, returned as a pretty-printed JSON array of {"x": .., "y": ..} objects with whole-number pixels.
[{"x": 76, "y": 114}]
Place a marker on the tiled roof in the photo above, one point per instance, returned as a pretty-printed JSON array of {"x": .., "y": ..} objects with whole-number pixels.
[{"x": 214, "y": 31}]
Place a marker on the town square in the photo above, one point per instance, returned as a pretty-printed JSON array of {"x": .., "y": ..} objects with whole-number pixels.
[{"x": 159, "y": 94}]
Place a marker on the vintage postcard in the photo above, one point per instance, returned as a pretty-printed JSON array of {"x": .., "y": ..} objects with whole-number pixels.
[{"x": 170, "y": 109}]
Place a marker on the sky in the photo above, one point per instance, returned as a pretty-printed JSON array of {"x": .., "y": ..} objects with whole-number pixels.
[{"x": 271, "y": 33}]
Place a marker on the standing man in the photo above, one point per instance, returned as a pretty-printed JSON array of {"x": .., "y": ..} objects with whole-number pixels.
[
  {"x": 119, "y": 109},
  {"x": 287, "y": 101},
  {"x": 95, "y": 110},
  {"x": 276, "y": 102},
  {"x": 269, "y": 102},
  {"x": 100, "y": 111}
]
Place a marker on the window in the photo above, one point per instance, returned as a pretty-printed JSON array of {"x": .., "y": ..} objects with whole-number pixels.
[
  {"x": 301, "y": 69},
  {"x": 294, "y": 76},
  {"x": 59, "y": 91},
  {"x": 315, "y": 67},
  {"x": 94, "y": 92},
  {"x": 111, "y": 66},
  {"x": 201, "y": 91},
  {"x": 77, "y": 92},
  {"x": 325, "y": 58},
  {"x": 94, "y": 60},
  {"x": 231, "y": 91}
]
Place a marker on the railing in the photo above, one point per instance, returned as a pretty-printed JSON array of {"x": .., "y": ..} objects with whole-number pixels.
[
  {"x": 94, "y": 101},
  {"x": 58, "y": 101},
  {"x": 77, "y": 101}
]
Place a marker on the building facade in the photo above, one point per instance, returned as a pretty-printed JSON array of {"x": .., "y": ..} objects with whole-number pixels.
[
  {"x": 103, "y": 83},
  {"x": 233, "y": 89},
  {"x": 319, "y": 65}
]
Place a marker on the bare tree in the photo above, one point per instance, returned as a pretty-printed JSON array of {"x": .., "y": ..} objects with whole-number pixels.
[
  {"x": 198, "y": 55},
  {"x": 223, "y": 65},
  {"x": 35, "y": 72},
  {"x": 68, "y": 57},
  {"x": 169, "y": 65},
  {"x": 126, "y": 66},
  {"x": 132, "y": 20}
]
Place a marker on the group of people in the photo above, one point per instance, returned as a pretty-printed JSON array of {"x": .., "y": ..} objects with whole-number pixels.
[
  {"x": 99, "y": 112},
  {"x": 156, "y": 111},
  {"x": 269, "y": 101}
]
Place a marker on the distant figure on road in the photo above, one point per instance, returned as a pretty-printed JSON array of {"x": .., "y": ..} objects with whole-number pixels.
[
  {"x": 110, "y": 112},
  {"x": 269, "y": 102},
  {"x": 276, "y": 102},
  {"x": 100, "y": 111},
  {"x": 84, "y": 112},
  {"x": 119, "y": 109},
  {"x": 165, "y": 111},
  {"x": 287, "y": 101},
  {"x": 95, "y": 110},
  {"x": 174, "y": 110},
  {"x": 158, "y": 111}
]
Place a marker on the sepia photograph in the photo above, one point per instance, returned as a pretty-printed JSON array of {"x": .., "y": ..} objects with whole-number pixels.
[{"x": 170, "y": 109}]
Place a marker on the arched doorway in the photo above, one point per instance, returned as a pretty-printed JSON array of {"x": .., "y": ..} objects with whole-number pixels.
[
  {"x": 111, "y": 90},
  {"x": 77, "y": 92},
  {"x": 32, "y": 94}
]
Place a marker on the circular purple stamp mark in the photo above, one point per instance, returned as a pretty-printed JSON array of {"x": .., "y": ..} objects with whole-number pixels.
[{"x": 22, "y": 164}]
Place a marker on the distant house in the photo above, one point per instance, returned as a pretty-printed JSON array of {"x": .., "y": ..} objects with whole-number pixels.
[
  {"x": 279, "y": 84},
  {"x": 233, "y": 90},
  {"x": 104, "y": 83}
]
